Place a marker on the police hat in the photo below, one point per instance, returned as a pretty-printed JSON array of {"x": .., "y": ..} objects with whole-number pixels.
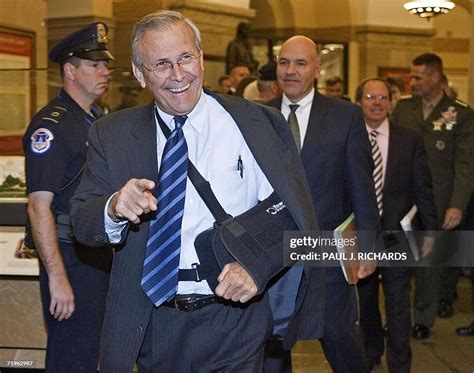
[
  {"x": 268, "y": 71},
  {"x": 89, "y": 43}
]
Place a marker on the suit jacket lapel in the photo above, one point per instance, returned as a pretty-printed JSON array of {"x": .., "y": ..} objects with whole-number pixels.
[
  {"x": 142, "y": 149},
  {"x": 316, "y": 124},
  {"x": 316, "y": 127},
  {"x": 393, "y": 153}
]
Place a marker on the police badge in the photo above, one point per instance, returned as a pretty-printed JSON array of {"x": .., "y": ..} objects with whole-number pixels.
[{"x": 41, "y": 140}]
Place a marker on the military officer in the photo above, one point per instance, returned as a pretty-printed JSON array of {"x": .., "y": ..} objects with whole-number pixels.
[
  {"x": 73, "y": 278},
  {"x": 447, "y": 127}
]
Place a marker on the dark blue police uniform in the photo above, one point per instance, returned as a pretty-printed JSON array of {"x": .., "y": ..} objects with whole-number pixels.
[{"x": 55, "y": 146}]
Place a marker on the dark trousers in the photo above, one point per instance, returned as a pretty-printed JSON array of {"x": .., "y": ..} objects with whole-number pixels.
[
  {"x": 449, "y": 281},
  {"x": 468, "y": 243},
  {"x": 450, "y": 276},
  {"x": 370, "y": 318},
  {"x": 73, "y": 344},
  {"x": 427, "y": 290},
  {"x": 276, "y": 358},
  {"x": 342, "y": 341},
  {"x": 216, "y": 338},
  {"x": 395, "y": 282}
]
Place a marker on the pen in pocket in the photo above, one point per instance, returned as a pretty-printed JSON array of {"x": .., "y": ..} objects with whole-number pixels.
[{"x": 240, "y": 167}]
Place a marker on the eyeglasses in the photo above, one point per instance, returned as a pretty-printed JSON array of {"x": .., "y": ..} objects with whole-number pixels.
[
  {"x": 163, "y": 68},
  {"x": 373, "y": 98}
]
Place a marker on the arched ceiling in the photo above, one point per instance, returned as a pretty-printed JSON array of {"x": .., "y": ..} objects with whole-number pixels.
[
  {"x": 312, "y": 14},
  {"x": 466, "y": 4},
  {"x": 301, "y": 13}
]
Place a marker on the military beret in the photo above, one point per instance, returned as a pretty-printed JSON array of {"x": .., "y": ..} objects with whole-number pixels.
[
  {"x": 268, "y": 71},
  {"x": 89, "y": 43}
]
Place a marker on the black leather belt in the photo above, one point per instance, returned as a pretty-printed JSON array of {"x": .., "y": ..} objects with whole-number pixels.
[{"x": 190, "y": 303}]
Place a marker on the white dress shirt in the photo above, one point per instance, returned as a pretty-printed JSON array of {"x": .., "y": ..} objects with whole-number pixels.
[
  {"x": 302, "y": 113},
  {"x": 382, "y": 141},
  {"x": 215, "y": 144}
]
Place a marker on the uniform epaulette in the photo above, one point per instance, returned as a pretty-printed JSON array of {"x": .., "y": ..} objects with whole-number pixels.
[
  {"x": 55, "y": 115},
  {"x": 462, "y": 103}
]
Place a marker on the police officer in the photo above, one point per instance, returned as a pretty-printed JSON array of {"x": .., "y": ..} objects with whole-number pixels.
[
  {"x": 447, "y": 127},
  {"x": 73, "y": 278}
]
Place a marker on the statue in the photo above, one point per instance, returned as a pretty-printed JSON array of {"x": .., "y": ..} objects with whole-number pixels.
[{"x": 239, "y": 50}]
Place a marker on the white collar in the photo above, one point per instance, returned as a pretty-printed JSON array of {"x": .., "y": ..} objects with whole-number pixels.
[{"x": 306, "y": 100}]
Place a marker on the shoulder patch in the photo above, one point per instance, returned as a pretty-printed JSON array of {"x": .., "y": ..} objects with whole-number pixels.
[
  {"x": 41, "y": 140},
  {"x": 55, "y": 115},
  {"x": 462, "y": 103}
]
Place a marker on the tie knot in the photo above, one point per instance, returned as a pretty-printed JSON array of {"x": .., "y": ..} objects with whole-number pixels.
[
  {"x": 179, "y": 120},
  {"x": 373, "y": 134},
  {"x": 294, "y": 107}
]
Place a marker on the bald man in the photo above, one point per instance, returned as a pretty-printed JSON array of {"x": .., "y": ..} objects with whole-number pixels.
[{"x": 337, "y": 158}]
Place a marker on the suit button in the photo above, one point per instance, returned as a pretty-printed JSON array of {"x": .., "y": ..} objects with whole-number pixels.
[
  {"x": 140, "y": 329},
  {"x": 98, "y": 237}
]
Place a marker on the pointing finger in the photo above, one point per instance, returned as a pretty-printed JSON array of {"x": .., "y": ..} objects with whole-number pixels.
[{"x": 144, "y": 184}]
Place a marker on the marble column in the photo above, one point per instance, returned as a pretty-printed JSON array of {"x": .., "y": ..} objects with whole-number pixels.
[{"x": 470, "y": 99}]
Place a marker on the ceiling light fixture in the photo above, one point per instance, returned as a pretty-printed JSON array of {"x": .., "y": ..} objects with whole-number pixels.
[{"x": 428, "y": 9}]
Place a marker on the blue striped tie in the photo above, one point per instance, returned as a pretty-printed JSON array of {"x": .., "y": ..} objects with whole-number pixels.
[{"x": 160, "y": 269}]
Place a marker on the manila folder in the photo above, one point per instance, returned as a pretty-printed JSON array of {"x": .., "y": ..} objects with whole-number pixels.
[{"x": 349, "y": 267}]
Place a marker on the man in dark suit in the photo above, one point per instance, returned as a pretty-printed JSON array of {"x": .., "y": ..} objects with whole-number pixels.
[
  {"x": 406, "y": 181},
  {"x": 245, "y": 150},
  {"x": 337, "y": 160},
  {"x": 447, "y": 127}
]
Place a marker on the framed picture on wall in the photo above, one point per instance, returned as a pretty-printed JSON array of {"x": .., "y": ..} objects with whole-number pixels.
[
  {"x": 13, "y": 198},
  {"x": 15, "y": 258},
  {"x": 17, "y": 92},
  {"x": 399, "y": 72}
]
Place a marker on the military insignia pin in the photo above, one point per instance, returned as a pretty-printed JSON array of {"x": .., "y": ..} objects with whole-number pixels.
[
  {"x": 440, "y": 145},
  {"x": 437, "y": 125},
  {"x": 448, "y": 118}
]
